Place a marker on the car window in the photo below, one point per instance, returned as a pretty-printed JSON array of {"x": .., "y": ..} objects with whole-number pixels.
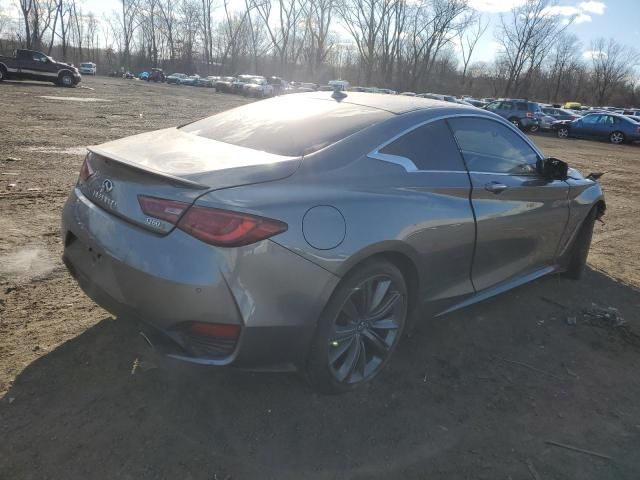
[
  {"x": 287, "y": 125},
  {"x": 430, "y": 147},
  {"x": 522, "y": 106},
  {"x": 493, "y": 106},
  {"x": 591, "y": 119},
  {"x": 39, "y": 57},
  {"x": 489, "y": 146},
  {"x": 506, "y": 105}
]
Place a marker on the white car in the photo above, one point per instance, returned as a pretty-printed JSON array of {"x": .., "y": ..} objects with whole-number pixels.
[
  {"x": 88, "y": 68},
  {"x": 257, "y": 87}
]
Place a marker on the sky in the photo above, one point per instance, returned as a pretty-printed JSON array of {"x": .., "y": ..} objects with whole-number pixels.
[{"x": 618, "y": 19}]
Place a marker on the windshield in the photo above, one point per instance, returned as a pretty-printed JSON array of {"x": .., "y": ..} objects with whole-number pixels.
[
  {"x": 86, "y": 65},
  {"x": 287, "y": 126}
]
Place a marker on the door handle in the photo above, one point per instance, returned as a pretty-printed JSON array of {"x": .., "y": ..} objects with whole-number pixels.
[{"x": 495, "y": 187}]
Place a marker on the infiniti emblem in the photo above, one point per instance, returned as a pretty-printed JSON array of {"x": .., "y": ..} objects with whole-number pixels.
[{"x": 107, "y": 186}]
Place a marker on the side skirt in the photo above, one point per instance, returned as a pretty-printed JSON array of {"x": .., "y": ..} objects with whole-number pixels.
[{"x": 501, "y": 288}]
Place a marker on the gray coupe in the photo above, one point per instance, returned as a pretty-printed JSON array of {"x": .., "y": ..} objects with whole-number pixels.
[{"x": 308, "y": 232}]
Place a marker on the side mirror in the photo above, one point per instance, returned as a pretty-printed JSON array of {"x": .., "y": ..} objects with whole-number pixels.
[{"x": 552, "y": 168}]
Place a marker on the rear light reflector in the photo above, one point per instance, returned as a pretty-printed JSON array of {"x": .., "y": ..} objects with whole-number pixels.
[
  {"x": 217, "y": 227},
  {"x": 215, "y": 329},
  {"x": 86, "y": 170},
  {"x": 167, "y": 210}
]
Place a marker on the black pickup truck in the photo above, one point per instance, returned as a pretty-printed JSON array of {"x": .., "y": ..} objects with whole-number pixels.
[{"x": 32, "y": 65}]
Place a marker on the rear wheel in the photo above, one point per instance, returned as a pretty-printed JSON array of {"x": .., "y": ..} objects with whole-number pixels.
[
  {"x": 616, "y": 138},
  {"x": 359, "y": 329},
  {"x": 563, "y": 132},
  {"x": 3, "y": 73},
  {"x": 580, "y": 250}
]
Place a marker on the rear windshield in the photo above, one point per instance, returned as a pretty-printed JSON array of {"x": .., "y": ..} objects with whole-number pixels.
[
  {"x": 86, "y": 65},
  {"x": 287, "y": 126}
]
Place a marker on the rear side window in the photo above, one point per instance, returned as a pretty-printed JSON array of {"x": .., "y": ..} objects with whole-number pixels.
[
  {"x": 288, "y": 126},
  {"x": 430, "y": 147},
  {"x": 522, "y": 106},
  {"x": 491, "y": 147},
  {"x": 506, "y": 106}
]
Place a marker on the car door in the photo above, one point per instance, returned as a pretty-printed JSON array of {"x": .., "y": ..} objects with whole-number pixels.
[
  {"x": 520, "y": 216},
  {"x": 604, "y": 127},
  {"x": 586, "y": 126},
  {"x": 442, "y": 227},
  {"x": 37, "y": 66}
]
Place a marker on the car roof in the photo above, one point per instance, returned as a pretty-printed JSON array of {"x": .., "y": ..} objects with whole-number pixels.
[{"x": 396, "y": 104}]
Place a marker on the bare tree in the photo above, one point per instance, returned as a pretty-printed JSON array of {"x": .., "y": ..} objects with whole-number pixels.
[
  {"x": 468, "y": 40},
  {"x": 612, "y": 64},
  {"x": 564, "y": 57},
  {"x": 525, "y": 36}
]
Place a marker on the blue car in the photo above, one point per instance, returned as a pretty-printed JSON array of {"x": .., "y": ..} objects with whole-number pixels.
[{"x": 611, "y": 126}]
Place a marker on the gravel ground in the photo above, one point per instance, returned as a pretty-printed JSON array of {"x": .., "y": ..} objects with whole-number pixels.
[{"x": 478, "y": 394}]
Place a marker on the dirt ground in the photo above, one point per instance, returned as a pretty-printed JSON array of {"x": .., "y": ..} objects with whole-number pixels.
[{"x": 478, "y": 394}]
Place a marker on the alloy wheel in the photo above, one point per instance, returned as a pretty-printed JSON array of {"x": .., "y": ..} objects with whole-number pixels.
[
  {"x": 616, "y": 137},
  {"x": 366, "y": 329},
  {"x": 66, "y": 80},
  {"x": 563, "y": 133}
]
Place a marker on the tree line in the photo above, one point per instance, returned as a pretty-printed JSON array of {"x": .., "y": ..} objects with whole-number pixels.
[{"x": 407, "y": 45}]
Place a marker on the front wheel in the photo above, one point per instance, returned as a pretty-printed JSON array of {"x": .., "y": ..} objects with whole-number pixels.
[
  {"x": 66, "y": 80},
  {"x": 563, "y": 132},
  {"x": 534, "y": 128},
  {"x": 359, "y": 328},
  {"x": 616, "y": 138},
  {"x": 3, "y": 74}
]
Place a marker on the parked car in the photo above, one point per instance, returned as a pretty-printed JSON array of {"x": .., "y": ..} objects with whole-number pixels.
[
  {"x": 156, "y": 75},
  {"x": 409, "y": 94},
  {"x": 633, "y": 112},
  {"x": 32, "y": 65},
  {"x": 613, "y": 127},
  {"x": 521, "y": 113},
  {"x": 191, "y": 80},
  {"x": 208, "y": 82},
  {"x": 258, "y": 87},
  {"x": 437, "y": 96},
  {"x": 302, "y": 232},
  {"x": 88, "y": 68},
  {"x": 560, "y": 113},
  {"x": 224, "y": 84},
  {"x": 240, "y": 82},
  {"x": 572, "y": 105},
  {"x": 176, "y": 78},
  {"x": 279, "y": 85},
  {"x": 144, "y": 75},
  {"x": 476, "y": 103}
]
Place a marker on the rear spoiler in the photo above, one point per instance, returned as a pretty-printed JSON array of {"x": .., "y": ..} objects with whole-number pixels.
[{"x": 135, "y": 166}]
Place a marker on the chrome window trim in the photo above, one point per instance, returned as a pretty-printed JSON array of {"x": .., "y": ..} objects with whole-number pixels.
[{"x": 411, "y": 167}]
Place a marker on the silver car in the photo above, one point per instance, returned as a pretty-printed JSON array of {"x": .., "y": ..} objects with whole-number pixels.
[{"x": 308, "y": 232}]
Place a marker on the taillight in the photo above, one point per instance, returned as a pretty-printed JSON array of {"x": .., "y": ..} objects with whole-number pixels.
[
  {"x": 167, "y": 210},
  {"x": 217, "y": 227},
  {"x": 85, "y": 170},
  {"x": 529, "y": 115},
  {"x": 228, "y": 229}
]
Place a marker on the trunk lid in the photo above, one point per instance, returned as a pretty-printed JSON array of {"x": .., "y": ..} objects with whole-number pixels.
[{"x": 173, "y": 165}]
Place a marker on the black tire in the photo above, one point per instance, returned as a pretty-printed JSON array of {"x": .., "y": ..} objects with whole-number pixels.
[
  {"x": 65, "y": 80},
  {"x": 577, "y": 259},
  {"x": 516, "y": 122},
  {"x": 359, "y": 328},
  {"x": 3, "y": 74},
  {"x": 617, "y": 138}
]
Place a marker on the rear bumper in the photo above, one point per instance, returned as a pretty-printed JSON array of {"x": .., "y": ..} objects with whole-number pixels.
[{"x": 274, "y": 295}]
